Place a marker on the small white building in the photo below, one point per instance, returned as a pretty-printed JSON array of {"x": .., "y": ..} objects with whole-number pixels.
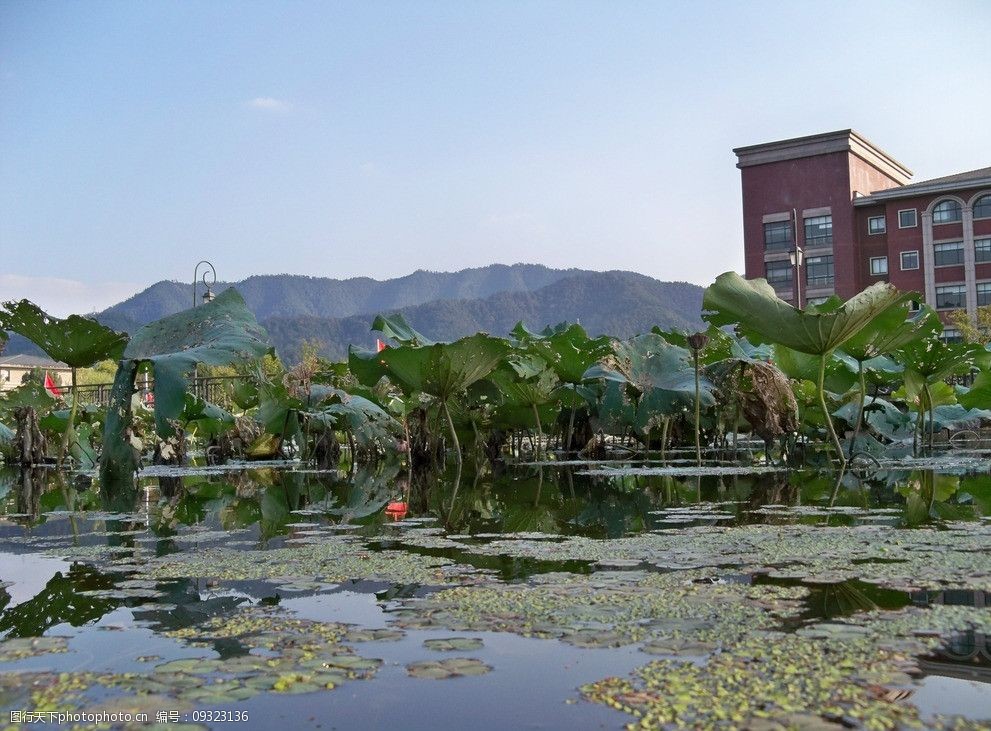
[{"x": 14, "y": 368}]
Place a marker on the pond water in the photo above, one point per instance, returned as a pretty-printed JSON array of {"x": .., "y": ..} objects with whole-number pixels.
[{"x": 588, "y": 595}]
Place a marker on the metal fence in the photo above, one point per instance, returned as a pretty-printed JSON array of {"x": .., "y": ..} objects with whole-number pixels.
[{"x": 216, "y": 389}]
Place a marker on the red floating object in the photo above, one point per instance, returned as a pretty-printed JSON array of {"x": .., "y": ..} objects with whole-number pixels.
[{"x": 396, "y": 509}]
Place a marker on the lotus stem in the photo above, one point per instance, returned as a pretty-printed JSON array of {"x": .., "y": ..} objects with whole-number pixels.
[
  {"x": 932, "y": 416},
  {"x": 67, "y": 436},
  {"x": 860, "y": 405},
  {"x": 664, "y": 436},
  {"x": 540, "y": 431},
  {"x": 571, "y": 428},
  {"x": 825, "y": 410},
  {"x": 454, "y": 434},
  {"x": 698, "y": 412}
]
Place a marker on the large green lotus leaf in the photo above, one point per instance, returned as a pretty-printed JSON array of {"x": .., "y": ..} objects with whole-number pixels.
[
  {"x": 396, "y": 328},
  {"x": 911, "y": 391},
  {"x": 955, "y": 416},
  {"x": 517, "y": 390},
  {"x": 366, "y": 420},
  {"x": 567, "y": 349},
  {"x": 720, "y": 346},
  {"x": 934, "y": 359},
  {"x": 76, "y": 341},
  {"x": 520, "y": 416},
  {"x": 841, "y": 370},
  {"x": 883, "y": 367},
  {"x": 646, "y": 362},
  {"x": 218, "y": 333},
  {"x": 522, "y": 334},
  {"x": 366, "y": 366},
  {"x": 31, "y": 394},
  {"x": 662, "y": 375},
  {"x": 882, "y": 416},
  {"x": 894, "y": 328},
  {"x": 81, "y": 446},
  {"x": 525, "y": 365},
  {"x": 208, "y": 418},
  {"x": 442, "y": 369},
  {"x": 613, "y": 409},
  {"x": 276, "y": 407},
  {"x": 979, "y": 394},
  {"x": 757, "y": 309}
]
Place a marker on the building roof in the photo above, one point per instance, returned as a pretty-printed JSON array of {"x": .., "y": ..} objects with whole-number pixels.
[
  {"x": 31, "y": 361},
  {"x": 844, "y": 140},
  {"x": 958, "y": 181}
]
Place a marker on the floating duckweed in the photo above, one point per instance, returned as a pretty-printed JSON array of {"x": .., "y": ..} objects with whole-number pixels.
[
  {"x": 19, "y": 648},
  {"x": 835, "y": 673}
]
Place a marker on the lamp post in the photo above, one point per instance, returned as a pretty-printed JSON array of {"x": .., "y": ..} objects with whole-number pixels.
[
  {"x": 797, "y": 256},
  {"x": 208, "y": 271}
]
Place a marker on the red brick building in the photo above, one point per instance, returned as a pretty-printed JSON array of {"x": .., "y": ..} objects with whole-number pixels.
[{"x": 854, "y": 218}]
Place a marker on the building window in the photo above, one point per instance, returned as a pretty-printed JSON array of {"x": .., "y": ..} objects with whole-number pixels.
[
  {"x": 982, "y": 207},
  {"x": 778, "y": 235},
  {"x": 819, "y": 231},
  {"x": 4, "y": 375},
  {"x": 983, "y": 294},
  {"x": 951, "y": 335},
  {"x": 876, "y": 225},
  {"x": 951, "y": 297},
  {"x": 815, "y": 300},
  {"x": 910, "y": 260},
  {"x": 819, "y": 271},
  {"x": 949, "y": 254},
  {"x": 879, "y": 265},
  {"x": 908, "y": 218},
  {"x": 982, "y": 250},
  {"x": 947, "y": 211},
  {"x": 779, "y": 273},
  {"x": 914, "y": 306}
]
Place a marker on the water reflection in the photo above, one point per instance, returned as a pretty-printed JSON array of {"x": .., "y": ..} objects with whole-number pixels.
[{"x": 542, "y": 499}]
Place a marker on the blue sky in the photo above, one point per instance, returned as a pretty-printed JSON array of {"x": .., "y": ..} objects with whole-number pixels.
[{"x": 376, "y": 138}]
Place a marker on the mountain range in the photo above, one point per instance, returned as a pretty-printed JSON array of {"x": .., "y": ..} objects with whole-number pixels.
[{"x": 441, "y": 305}]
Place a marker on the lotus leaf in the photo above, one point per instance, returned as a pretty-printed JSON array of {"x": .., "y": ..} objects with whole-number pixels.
[
  {"x": 217, "y": 333},
  {"x": 454, "y": 667},
  {"x": 395, "y": 327},
  {"x": 76, "y": 341}
]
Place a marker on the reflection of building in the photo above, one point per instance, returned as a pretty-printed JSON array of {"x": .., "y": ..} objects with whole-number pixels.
[
  {"x": 14, "y": 368},
  {"x": 851, "y": 209}
]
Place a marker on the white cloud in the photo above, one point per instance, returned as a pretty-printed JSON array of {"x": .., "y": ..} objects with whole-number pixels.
[
  {"x": 269, "y": 104},
  {"x": 61, "y": 297}
]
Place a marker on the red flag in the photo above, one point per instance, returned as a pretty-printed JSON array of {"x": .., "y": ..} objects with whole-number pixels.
[
  {"x": 51, "y": 387},
  {"x": 379, "y": 346}
]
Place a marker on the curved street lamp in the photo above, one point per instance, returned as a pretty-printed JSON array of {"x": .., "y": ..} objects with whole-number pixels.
[{"x": 208, "y": 271}]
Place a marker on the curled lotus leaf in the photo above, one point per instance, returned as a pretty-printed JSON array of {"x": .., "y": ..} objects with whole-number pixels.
[{"x": 756, "y": 308}]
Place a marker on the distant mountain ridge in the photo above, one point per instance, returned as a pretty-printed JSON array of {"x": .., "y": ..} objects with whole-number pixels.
[
  {"x": 288, "y": 295},
  {"x": 442, "y": 305},
  {"x": 620, "y": 304}
]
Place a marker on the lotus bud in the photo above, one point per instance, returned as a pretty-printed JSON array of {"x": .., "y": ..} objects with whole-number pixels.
[{"x": 697, "y": 341}]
